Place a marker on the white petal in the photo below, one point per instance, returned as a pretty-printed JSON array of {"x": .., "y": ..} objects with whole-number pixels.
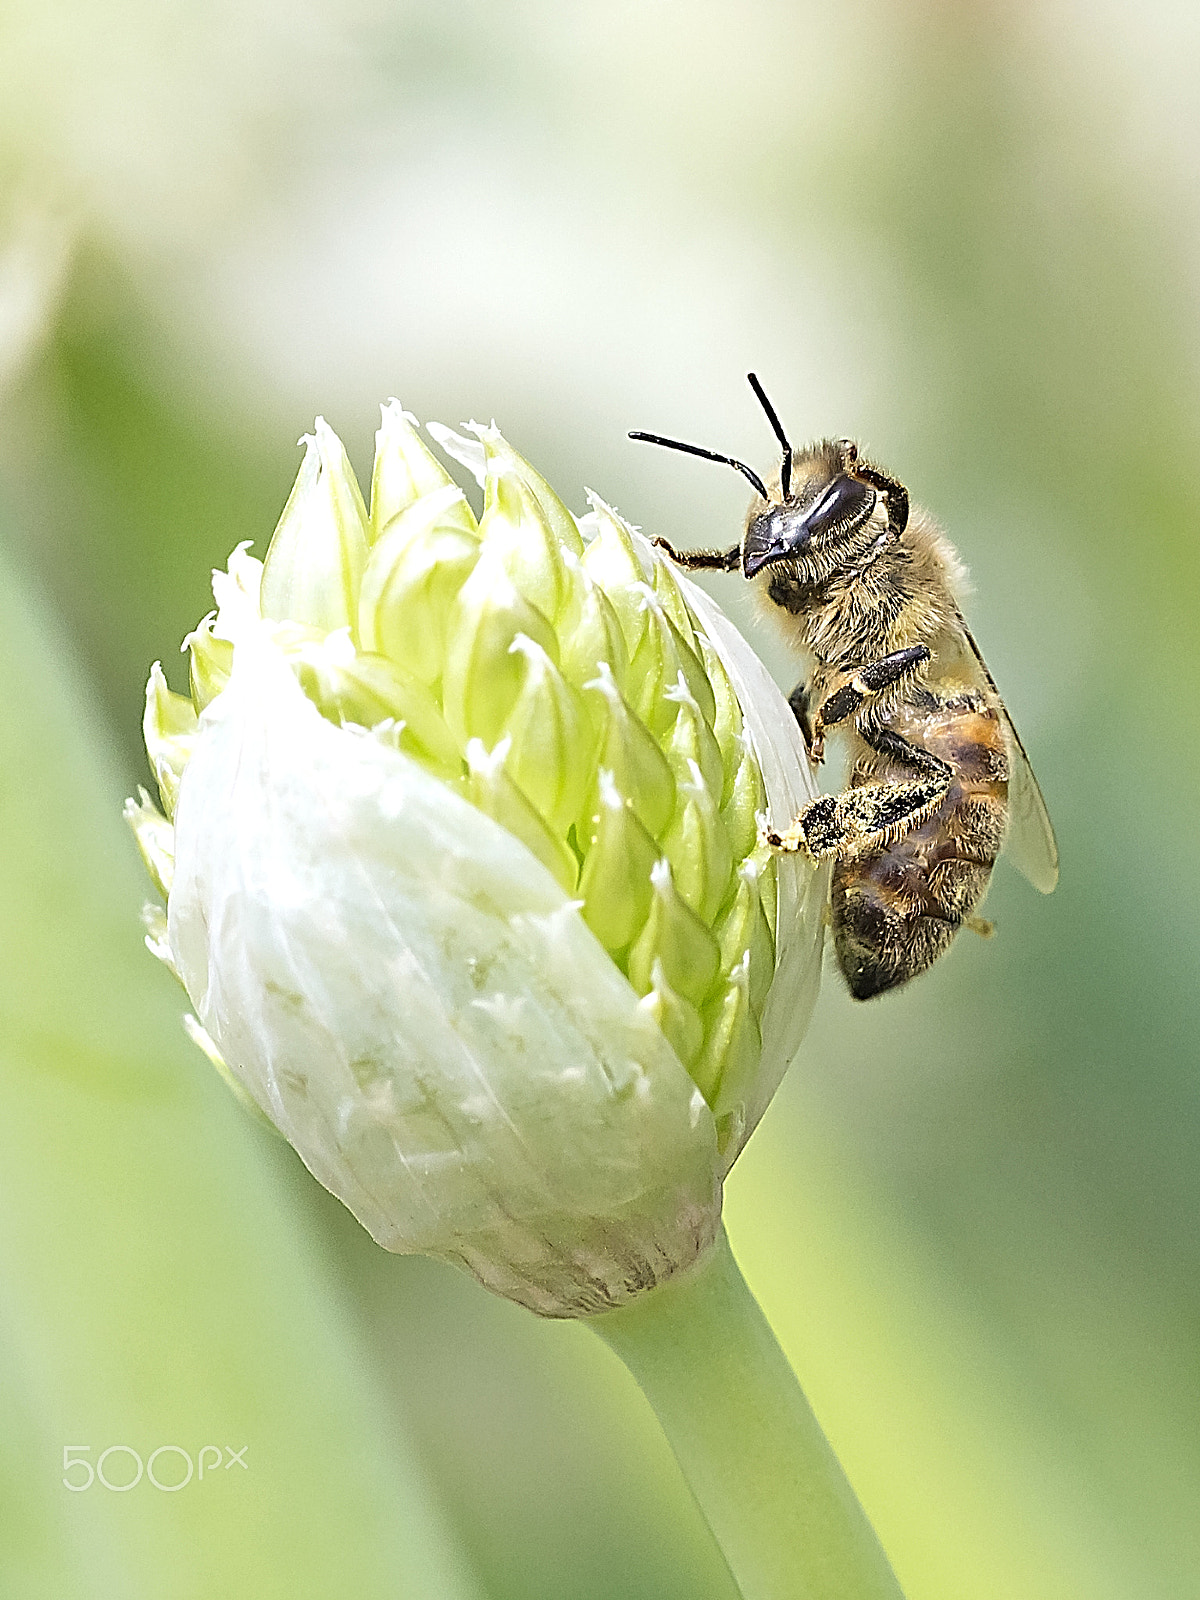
[
  {"x": 468, "y": 453},
  {"x": 236, "y": 592},
  {"x": 419, "y": 1008}
]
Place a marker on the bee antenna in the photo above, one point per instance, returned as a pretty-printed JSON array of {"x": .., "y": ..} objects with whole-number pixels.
[
  {"x": 708, "y": 455},
  {"x": 777, "y": 426}
]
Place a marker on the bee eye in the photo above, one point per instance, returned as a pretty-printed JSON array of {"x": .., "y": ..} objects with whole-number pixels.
[
  {"x": 786, "y": 531},
  {"x": 846, "y": 503}
]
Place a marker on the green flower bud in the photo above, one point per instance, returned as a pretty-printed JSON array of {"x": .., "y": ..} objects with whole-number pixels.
[
  {"x": 677, "y": 1017},
  {"x": 635, "y": 764},
  {"x": 677, "y": 941},
  {"x": 614, "y": 562},
  {"x": 169, "y": 728},
  {"x": 744, "y": 934},
  {"x": 552, "y": 739},
  {"x": 743, "y": 803},
  {"x": 155, "y": 840},
  {"x": 732, "y": 1047},
  {"x": 483, "y": 676},
  {"x": 518, "y": 532},
  {"x": 210, "y": 661},
  {"x": 413, "y": 573},
  {"x": 490, "y": 787},
  {"x": 662, "y": 660},
  {"x": 591, "y": 639},
  {"x": 501, "y": 459},
  {"x": 727, "y": 718},
  {"x": 670, "y": 597},
  {"x": 615, "y": 883},
  {"x": 692, "y": 743},
  {"x": 464, "y": 879},
  {"x": 406, "y": 470},
  {"x": 697, "y": 846},
  {"x": 358, "y": 686},
  {"x": 314, "y": 567}
]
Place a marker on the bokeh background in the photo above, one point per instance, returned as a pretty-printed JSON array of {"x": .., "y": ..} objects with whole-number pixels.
[{"x": 967, "y": 233}]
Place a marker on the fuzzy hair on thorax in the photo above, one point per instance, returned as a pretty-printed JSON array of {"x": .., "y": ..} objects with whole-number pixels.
[{"x": 889, "y": 593}]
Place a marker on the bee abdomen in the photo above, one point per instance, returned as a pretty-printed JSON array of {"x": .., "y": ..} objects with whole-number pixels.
[
  {"x": 895, "y": 910},
  {"x": 886, "y": 933}
]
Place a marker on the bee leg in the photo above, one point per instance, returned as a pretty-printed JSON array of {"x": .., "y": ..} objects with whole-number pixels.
[
  {"x": 866, "y": 683},
  {"x": 896, "y": 748},
  {"x": 712, "y": 560},
  {"x": 841, "y": 825},
  {"x": 873, "y": 814},
  {"x": 798, "y": 700},
  {"x": 897, "y": 496}
]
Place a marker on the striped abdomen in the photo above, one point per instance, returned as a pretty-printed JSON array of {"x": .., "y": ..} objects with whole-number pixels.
[{"x": 895, "y": 910}]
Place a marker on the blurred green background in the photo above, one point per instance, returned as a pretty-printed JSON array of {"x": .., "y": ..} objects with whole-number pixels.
[{"x": 967, "y": 234}]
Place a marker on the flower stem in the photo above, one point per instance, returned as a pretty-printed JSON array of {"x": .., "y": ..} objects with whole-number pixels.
[{"x": 754, "y": 1455}]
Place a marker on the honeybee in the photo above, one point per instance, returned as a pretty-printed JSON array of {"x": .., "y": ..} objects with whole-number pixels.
[{"x": 864, "y": 585}]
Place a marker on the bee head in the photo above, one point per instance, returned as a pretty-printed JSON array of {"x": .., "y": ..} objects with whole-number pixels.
[
  {"x": 823, "y": 505},
  {"x": 822, "y": 517}
]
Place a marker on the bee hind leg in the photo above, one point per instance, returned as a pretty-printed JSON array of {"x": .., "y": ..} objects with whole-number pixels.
[{"x": 873, "y": 814}]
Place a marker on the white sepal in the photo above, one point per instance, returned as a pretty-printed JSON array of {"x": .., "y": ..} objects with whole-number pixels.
[{"x": 418, "y": 1006}]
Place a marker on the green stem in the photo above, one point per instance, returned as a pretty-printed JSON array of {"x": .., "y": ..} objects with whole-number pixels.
[{"x": 758, "y": 1464}]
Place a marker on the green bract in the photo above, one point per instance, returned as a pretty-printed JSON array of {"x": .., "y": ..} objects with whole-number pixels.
[{"x": 462, "y": 868}]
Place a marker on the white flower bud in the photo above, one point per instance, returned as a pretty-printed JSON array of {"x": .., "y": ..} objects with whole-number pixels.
[{"x": 464, "y": 881}]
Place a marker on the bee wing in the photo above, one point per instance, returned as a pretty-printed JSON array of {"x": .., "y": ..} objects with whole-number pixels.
[{"x": 1029, "y": 842}]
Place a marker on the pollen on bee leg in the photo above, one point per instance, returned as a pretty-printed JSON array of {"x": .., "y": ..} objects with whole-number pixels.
[{"x": 789, "y": 842}]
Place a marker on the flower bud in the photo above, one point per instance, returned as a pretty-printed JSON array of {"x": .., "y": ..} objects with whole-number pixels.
[
  {"x": 636, "y": 766},
  {"x": 697, "y": 846},
  {"x": 370, "y": 690},
  {"x": 591, "y": 639},
  {"x": 518, "y": 533},
  {"x": 406, "y": 471},
  {"x": 552, "y": 740},
  {"x": 490, "y": 788},
  {"x": 482, "y": 675},
  {"x": 155, "y": 840},
  {"x": 210, "y": 661},
  {"x": 615, "y": 884},
  {"x": 464, "y": 879},
  {"x": 169, "y": 728},
  {"x": 314, "y": 567},
  {"x": 412, "y": 575},
  {"x": 676, "y": 941}
]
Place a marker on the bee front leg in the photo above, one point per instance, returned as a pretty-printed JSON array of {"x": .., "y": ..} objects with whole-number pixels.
[
  {"x": 873, "y": 814},
  {"x": 897, "y": 496},
  {"x": 703, "y": 560}
]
